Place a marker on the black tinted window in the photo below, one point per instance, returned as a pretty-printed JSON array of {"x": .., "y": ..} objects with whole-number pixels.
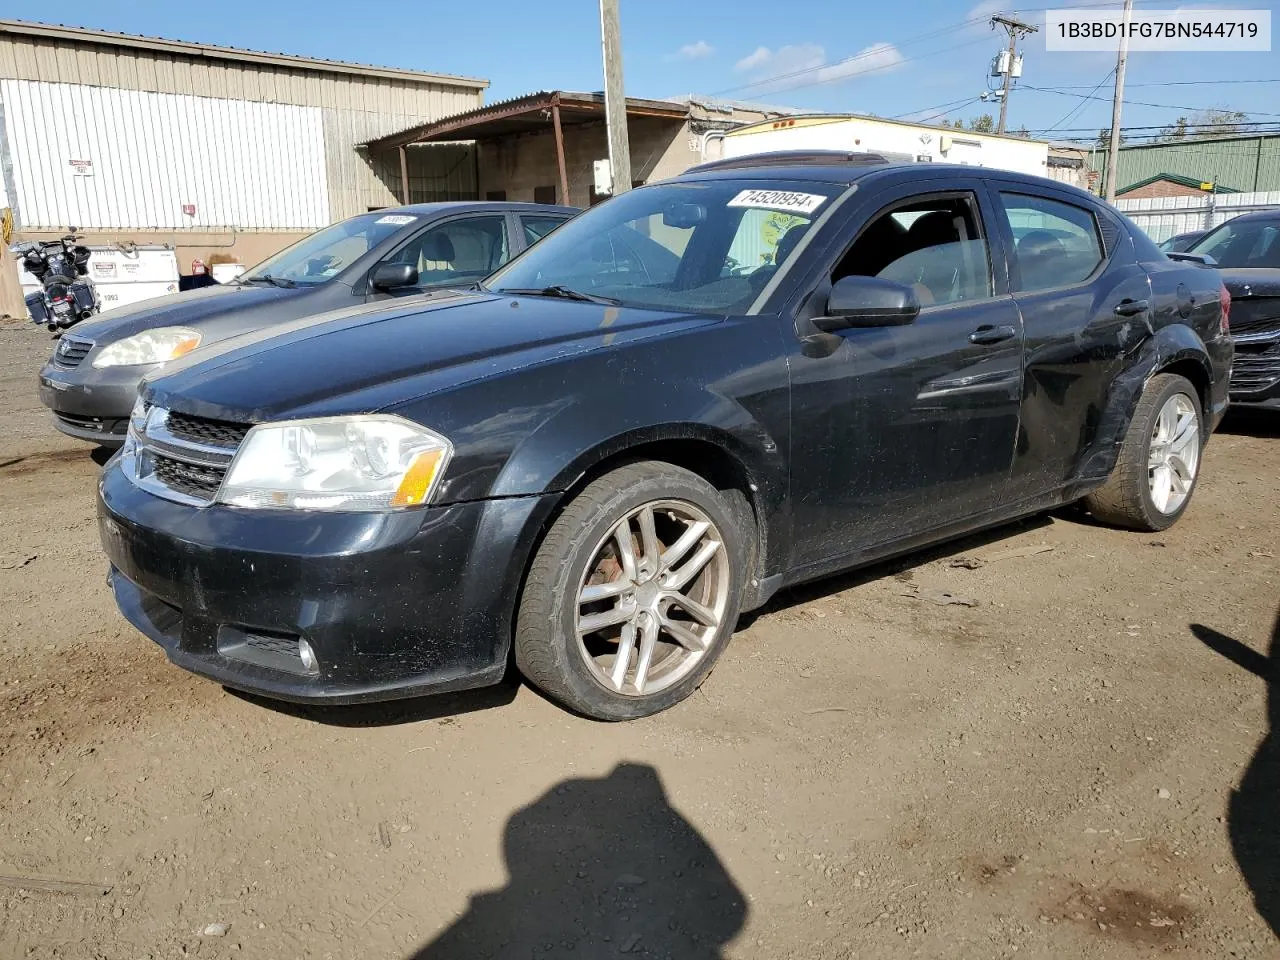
[
  {"x": 1056, "y": 243},
  {"x": 934, "y": 246}
]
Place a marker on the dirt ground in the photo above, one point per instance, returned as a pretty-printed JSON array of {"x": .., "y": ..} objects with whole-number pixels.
[{"x": 1075, "y": 767}]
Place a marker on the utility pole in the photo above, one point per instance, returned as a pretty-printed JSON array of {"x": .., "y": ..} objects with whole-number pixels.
[
  {"x": 615, "y": 101},
  {"x": 1117, "y": 103},
  {"x": 1015, "y": 28}
]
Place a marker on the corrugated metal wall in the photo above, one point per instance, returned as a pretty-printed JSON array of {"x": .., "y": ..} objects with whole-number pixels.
[
  {"x": 1164, "y": 217},
  {"x": 1245, "y": 163},
  {"x": 354, "y": 107},
  {"x": 240, "y": 164}
]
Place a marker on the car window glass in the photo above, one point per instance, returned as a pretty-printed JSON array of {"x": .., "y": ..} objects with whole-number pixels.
[
  {"x": 934, "y": 246},
  {"x": 708, "y": 247},
  {"x": 327, "y": 252},
  {"x": 459, "y": 251},
  {"x": 1243, "y": 243},
  {"x": 537, "y": 227},
  {"x": 1056, "y": 243}
]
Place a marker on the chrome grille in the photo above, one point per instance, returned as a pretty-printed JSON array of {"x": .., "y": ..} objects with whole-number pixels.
[
  {"x": 181, "y": 457},
  {"x": 71, "y": 351},
  {"x": 219, "y": 433}
]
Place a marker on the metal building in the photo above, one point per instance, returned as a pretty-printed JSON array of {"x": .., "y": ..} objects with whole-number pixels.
[
  {"x": 1243, "y": 162},
  {"x": 207, "y": 149}
]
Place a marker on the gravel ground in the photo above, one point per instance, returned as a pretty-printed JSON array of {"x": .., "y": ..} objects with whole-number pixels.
[{"x": 1076, "y": 766}]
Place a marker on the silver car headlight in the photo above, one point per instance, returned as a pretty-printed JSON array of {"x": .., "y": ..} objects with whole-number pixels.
[
  {"x": 150, "y": 346},
  {"x": 368, "y": 463}
]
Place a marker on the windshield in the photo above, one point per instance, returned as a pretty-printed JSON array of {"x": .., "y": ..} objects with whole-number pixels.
[
  {"x": 328, "y": 252},
  {"x": 1243, "y": 243},
  {"x": 696, "y": 247}
]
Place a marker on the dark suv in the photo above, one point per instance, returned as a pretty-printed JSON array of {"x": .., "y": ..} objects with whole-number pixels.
[{"x": 759, "y": 373}]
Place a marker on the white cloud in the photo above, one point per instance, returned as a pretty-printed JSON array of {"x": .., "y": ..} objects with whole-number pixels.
[
  {"x": 760, "y": 57},
  {"x": 695, "y": 51},
  {"x": 806, "y": 63}
]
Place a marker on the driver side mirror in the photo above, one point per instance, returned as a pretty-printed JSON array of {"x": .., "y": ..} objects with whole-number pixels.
[
  {"x": 858, "y": 301},
  {"x": 393, "y": 276}
]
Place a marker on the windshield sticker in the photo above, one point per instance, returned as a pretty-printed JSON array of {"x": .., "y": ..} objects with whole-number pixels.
[
  {"x": 399, "y": 219},
  {"x": 779, "y": 200}
]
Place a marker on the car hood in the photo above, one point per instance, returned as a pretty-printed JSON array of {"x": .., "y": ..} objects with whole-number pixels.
[
  {"x": 194, "y": 308},
  {"x": 1249, "y": 282},
  {"x": 368, "y": 358}
]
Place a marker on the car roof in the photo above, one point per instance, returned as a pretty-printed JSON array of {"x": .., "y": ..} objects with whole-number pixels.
[
  {"x": 476, "y": 206},
  {"x": 817, "y": 169}
]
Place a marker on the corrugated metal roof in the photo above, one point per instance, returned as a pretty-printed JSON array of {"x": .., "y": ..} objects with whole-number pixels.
[
  {"x": 519, "y": 114},
  {"x": 50, "y": 31},
  {"x": 1246, "y": 162}
]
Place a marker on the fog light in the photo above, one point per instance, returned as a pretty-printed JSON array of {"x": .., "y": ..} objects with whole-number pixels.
[{"x": 308, "y": 657}]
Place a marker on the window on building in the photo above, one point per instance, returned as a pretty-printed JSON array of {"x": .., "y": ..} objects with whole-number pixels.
[
  {"x": 497, "y": 195},
  {"x": 544, "y": 194}
]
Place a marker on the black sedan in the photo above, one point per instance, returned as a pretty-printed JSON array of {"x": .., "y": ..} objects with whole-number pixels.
[
  {"x": 698, "y": 393},
  {"x": 1246, "y": 251},
  {"x": 92, "y": 378},
  {"x": 1181, "y": 241}
]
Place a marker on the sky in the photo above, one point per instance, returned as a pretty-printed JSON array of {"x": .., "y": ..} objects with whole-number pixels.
[{"x": 914, "y": 59}]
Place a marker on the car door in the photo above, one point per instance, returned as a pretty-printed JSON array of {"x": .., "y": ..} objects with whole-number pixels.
[
  {"x": 1085, "y": 302},
  {"x": 453, "y": 252},
  {"x": 900, "y": 430}
]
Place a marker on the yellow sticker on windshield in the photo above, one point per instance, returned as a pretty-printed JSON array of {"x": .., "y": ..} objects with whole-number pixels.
[{"x": 785, "y": 200}]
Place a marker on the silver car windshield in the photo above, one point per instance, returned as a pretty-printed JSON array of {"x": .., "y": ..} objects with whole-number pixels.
[
  {"x": 326, "y": 253},
  {"x": 705, "y": 247}
]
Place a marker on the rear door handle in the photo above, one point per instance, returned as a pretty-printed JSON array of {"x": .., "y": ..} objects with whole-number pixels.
[
  {"x": 989, "y": 333},
  {"x": 1131, "y": 308}
]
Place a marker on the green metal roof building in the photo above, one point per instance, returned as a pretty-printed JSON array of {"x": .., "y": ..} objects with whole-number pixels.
[{"x": 1243, "y": 162}]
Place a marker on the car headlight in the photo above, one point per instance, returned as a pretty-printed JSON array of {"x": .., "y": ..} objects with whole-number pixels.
[
  {"x": 374, "y": 462},
  {"x": 150, "y": 346}
]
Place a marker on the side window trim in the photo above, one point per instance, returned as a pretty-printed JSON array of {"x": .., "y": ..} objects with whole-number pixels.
[
  {"x": 1003, "y": 189},
  {"x": 971, "y": 196}
]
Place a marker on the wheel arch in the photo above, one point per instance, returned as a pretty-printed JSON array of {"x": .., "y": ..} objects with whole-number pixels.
[{"x": 1173, "y": 349}]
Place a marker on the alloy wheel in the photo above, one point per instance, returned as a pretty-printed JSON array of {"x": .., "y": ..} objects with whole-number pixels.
[
  {"x": 1173, "y": 455},
  {"x": 653, "y": 598}
]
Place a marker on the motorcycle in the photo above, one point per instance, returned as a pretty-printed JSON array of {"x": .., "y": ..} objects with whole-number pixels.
[{"x": 66, "y": 296}]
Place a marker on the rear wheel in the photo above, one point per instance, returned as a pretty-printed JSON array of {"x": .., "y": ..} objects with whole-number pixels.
[
  {"x": 633, "y": 593},
  {"x": 1159, "y": 461}
]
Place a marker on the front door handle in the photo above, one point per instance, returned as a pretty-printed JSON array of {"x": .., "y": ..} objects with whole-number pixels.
[
  {"x": 1131, "y": 308},
  {"x": 989, "y": 333}
]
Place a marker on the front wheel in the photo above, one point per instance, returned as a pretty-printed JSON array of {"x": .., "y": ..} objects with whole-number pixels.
[
  {"x": 633, "y": 593},
  {"x": 1159, "y": 463}
]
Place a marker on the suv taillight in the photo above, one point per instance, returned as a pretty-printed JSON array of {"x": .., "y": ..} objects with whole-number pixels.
[{"x": 1224, "y": 322}]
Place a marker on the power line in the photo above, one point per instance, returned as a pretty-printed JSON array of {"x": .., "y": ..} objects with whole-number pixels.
[
  {"x": 941, "y": 31},
  {"x": 1141, "y": 103},
  {"x": 1166, "y": 83},
  {"x": 1083, "y": 103}
]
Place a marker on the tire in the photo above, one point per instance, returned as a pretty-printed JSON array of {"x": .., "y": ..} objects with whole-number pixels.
[
  {"x": 583, "y": 550},
  {"x": 1126, "y": 499}
]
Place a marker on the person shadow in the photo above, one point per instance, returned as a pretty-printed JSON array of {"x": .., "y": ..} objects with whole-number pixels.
[
  {"x": 600, "y": 867},
  {"x": 1253, "y": 814}
]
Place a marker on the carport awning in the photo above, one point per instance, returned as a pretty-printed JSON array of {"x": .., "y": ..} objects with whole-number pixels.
[{"x": 527, "y": 114}]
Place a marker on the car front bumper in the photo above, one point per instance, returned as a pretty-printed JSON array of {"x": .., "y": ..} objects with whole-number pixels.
[
  {"x": 392, "y": 605},
  {"x": 89, "y": 403}
]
